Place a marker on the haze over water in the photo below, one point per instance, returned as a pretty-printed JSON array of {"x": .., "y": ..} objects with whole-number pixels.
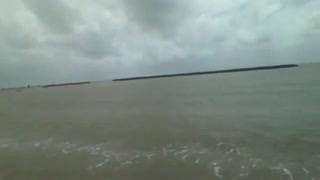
[{"x": 258, "y": 125}]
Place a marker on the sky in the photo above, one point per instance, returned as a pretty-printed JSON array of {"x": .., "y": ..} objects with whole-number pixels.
[{"x": 56, "y": 41}]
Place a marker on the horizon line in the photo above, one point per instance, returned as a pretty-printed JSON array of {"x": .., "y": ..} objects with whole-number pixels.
[{"x": 257, "y": 68}]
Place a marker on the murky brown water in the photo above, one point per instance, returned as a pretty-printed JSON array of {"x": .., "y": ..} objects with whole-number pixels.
[{"x": 253, "y": 125}]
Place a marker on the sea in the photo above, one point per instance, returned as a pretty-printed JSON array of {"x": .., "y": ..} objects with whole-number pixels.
[{"x": 259, "y": 125}]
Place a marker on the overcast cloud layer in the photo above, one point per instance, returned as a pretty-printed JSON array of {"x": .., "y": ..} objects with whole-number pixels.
[{"x": 51, "y": 41}]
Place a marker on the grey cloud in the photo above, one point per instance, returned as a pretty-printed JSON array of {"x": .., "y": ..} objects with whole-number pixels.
[
  {"x": 13, "y": 36},
  {"x": 79, "y": 40},
  {"x": 22, "y": 68},
  {"x": 260, "y": 53},
  {"x": 95, "y": 45},
  {"x": 299, "y": 2},
  {"x": 157, "y": 15},
  {"x": 55, "y": 15},
  {"x": 264, "y": 39},
  {"x": 315, "y": 23},
  {"x": 22, "y": 41},
  {"x": 19, "y": 68}
]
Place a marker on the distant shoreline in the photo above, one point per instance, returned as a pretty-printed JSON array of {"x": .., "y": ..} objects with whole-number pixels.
[
  {"x": 65, "y": 84},
  {"x": 19, "y": 89},
  {"x": 210, "y": 72}
]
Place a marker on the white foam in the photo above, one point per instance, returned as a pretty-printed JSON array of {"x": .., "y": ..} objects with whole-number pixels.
[
  {"x": 288, "y": 172},
  {"x": 102, "y": 163},
  {"x": 285, "y": 171},
  {"x": 93, "y": 151},
  {"x": 164, "y": 151},
  {"x": 254, "y": 162},
  {"x": 68, "y": 148},
  {"x": 148, "y": 155},
  {"x": 238, "y": 152},
  {"x": 217, "y": 171},
  {"x": 105, "y": 154},
  {"x": 126, "y": 163},
  {"x": 184, "y": 151},
  {"x": 306, "y": 171},
  {"x": 229, "y": 152},
  {"x": 214, "y": 163},
  {"x": 222, "y": 143},
  {"x": 84, "y": 148},
  {"x": 181, "y": 152},
  {"x": 184, "y": 147},
  {"x": 185, "y": 156},
  {"x": 242, "y": 173}
]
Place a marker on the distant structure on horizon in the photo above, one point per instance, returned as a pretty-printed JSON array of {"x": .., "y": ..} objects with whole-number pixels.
[
  {"x": 210, "y": 72},
  {"x": 19, "y": 89}
]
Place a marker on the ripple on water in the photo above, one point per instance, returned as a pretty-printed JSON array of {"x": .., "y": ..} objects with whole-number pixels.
[{"x": 224, "y": 160}]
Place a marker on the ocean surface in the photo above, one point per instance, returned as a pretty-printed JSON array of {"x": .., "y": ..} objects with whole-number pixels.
[{"x": 261, "y": 125}]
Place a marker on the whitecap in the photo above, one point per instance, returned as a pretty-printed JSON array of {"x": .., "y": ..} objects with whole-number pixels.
[
  {"x": 102, "y": 163},
  {"x": 217, "y": 171},
  {"x": 229, "y": 152},
  {"x": 305, "y": 170},
  {"x": 197, "y": 161},
  {"x": 185, "y": 156},
  {"x": 126, "y": 163},
  {"x": 285, "y": 171}
]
